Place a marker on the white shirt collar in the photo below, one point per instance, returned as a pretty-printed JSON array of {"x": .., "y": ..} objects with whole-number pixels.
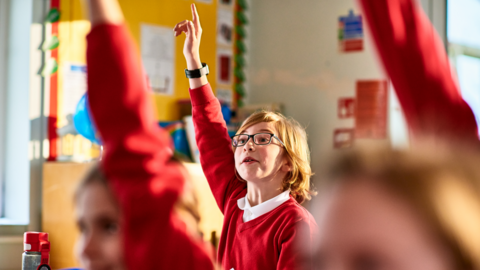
[{"x": 252, "y": 212}]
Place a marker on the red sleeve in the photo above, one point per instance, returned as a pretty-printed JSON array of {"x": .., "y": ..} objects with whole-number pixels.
[
  {"x": 297, "y": 246},
  {"x": 136, "y": 158},
  {"x": 214, "y": 145},
  {"x": 414, "y": 57}
]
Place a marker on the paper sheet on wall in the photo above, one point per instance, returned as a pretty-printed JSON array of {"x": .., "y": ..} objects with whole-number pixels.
[
  {"x": 225, "y": 96},
  {"x": 158, "y": 56},
  {"x": 74, "y": 86},
  {"x": 225, "y": 26},
  {"x": 224, "y": 66}
]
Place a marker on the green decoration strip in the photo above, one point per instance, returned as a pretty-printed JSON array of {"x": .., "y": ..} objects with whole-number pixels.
[
  {"x": 238, "y": 72},
  {"x": 53, "y": 16},
  {"x": 240, "y": 103},
  {"x": 240, "y": 50},
  {"x": 240, "y": 30},
  {"x": 243, "y": 4},
  {"x": 239, "y": 89},
  {"x": 242, "y": 18},
  {"x": 240, "y": 60},
  {"x": 241, "y": 46},
  {"x": 51, "y": 43},
  {"x": 50, "y": 67}
]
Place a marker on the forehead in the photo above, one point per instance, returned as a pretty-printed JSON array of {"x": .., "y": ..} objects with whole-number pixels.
[
  {"x": 357, "y": 217},
  {"x": 94, "y": 200},
  {"x": 268, "y": 127}
]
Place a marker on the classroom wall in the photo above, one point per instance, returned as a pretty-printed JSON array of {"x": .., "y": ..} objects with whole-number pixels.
[
  {"x": 74, "y": 26},
  {"x": 294, "y": 60}
]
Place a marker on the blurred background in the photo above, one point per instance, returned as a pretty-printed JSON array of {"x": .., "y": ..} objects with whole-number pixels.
[{"x": 312, "y": 60}]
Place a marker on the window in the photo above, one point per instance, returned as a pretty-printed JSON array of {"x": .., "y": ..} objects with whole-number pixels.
[
  {"x": 3, "y": 75},
  {"x": 464, "y": 48},
  {"x": 21, "y": 33}
]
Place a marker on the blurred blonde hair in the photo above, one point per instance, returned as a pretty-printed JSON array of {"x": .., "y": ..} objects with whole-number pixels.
[
  {"x": 294, "y": 137},
  {"x": 442, "y": 184}
]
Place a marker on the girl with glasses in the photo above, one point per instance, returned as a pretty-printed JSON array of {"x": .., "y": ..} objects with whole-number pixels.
[{"x": 258, "y": 186}]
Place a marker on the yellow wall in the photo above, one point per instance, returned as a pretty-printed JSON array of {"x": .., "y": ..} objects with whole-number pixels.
[{"x": 73, "y": 28}]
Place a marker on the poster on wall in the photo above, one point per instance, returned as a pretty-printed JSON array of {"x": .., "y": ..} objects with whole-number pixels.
[
  {"x": 225, "y": 96},
  {"x": 224, "y": 66},
  {"x": 371, "y": 109},
  {"x": 350, "y": 33},
  {"x": 74, "y": 86},
  {"x": 343, "y": 138},
  {"x": 224, "y": 26},
  {"x": 158, "y": 57},
  {"x": 346, "y": 108}
]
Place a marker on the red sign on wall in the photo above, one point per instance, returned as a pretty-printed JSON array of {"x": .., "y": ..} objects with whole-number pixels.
[
  {"x": 343, "y": 138},
  {"x": 346, "y": 108},
  {"x": 371, "y": 109}
]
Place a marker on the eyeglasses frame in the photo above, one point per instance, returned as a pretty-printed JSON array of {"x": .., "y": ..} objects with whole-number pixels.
[{"x": 253, "y": 139}]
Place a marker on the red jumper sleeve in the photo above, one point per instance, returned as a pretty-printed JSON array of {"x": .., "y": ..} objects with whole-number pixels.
[
  {"x": 414, "y": 57},
  {"x": 136, "y": 157},
  {"x": 214, "y": 145},
  {"x": 297, "y": 246}
]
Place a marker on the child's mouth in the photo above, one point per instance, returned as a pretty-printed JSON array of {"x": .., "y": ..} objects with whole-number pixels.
[{"x": 249, "y": 160}]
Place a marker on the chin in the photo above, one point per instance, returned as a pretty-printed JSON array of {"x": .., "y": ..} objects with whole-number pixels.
[{"x": 249, "y": 177}]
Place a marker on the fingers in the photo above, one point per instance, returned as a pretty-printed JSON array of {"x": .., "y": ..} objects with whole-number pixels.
[
  {"x": 180, "y": 27},
  {"x": 196, "y": 18},
  {"x": 191, "y": 28}
]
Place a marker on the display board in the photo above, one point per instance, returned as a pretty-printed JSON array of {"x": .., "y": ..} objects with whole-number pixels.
[{"x": 73, "y": 28}]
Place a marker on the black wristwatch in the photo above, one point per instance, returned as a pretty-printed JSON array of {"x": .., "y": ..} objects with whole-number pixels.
[{"x": 197, "y": 73}]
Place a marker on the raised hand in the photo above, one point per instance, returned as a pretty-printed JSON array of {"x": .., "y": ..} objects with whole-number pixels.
[{"x": 193, "y": 32}]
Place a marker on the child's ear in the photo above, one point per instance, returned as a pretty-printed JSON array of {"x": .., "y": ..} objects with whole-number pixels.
[{"x": 287, "y": 166}]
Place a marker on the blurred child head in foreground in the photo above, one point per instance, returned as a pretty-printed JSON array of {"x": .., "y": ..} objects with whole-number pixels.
[
  {"x": 98, "y": 214},
  {"x": 390, "y": 209}
]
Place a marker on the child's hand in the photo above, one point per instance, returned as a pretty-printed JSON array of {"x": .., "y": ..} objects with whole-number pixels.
[{"x": 193, "y": 31}]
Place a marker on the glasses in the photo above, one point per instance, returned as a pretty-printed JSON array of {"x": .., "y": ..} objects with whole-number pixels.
[{"x": 258, "y": 139}]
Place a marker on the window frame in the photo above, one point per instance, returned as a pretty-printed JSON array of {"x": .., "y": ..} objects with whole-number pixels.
[{"x": 21, "y": 25}]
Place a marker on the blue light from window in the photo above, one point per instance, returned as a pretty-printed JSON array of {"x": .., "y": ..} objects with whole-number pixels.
[{"x": 463, "y": 22}]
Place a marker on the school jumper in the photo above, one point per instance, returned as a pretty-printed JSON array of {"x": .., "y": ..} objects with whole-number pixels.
[
  {"x": 414, "y": 58},
  {"x": 137, "y": 156},
  {"x": 270, "y": 241}
]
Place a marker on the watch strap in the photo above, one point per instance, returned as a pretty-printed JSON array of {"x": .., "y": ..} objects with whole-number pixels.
[{"x": 197, "y": 73}]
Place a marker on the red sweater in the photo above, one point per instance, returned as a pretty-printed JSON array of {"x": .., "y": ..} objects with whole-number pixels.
[
  {"x": 270, "y": 241},
  {"x": 136, "y": 158},
  {"x": 414, "y": 57}
]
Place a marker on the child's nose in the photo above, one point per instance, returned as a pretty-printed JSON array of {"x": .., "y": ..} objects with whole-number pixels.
[
  {"x": 89, "y": 248},
  {"x": 249, "y": 146}
]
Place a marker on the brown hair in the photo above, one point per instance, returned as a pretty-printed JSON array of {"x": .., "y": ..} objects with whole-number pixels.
[
  {"x": 441, "y": 184},
  {"x": 294, "y": 137}
]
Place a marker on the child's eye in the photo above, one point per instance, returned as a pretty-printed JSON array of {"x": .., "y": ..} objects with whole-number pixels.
[
  {"x": 81, "y": 227},
  {"x": 111, "y": 227}
]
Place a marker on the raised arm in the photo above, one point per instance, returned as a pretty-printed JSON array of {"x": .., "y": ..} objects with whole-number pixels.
[
  {"x": 137, "y": 152},
  {"x": 211, "y": 134},
  {"x": 414, "y": 57}
]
